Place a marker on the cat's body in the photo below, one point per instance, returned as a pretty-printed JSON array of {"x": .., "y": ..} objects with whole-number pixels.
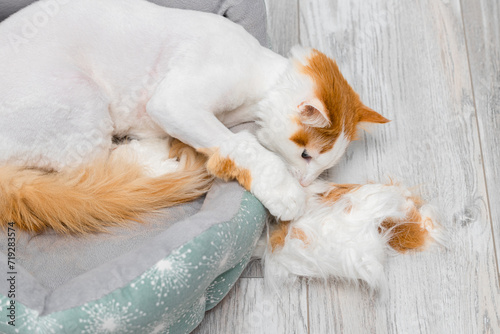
[
  {"x": 96, "y": 70},
  {"x": 111, "y": 72}
]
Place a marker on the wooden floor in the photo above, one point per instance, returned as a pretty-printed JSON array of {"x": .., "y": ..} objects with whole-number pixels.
[{"x": 433, "y": 67}]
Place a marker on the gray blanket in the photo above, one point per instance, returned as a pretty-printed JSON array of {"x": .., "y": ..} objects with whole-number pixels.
[{"x": 251, "y": 14}]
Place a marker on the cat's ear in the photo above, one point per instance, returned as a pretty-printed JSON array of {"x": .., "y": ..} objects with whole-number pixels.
[
  {"x": 368, "y": 115},
  {"x": 312, "y": 113}
]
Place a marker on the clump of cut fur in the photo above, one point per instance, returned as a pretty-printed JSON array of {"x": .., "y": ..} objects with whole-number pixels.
[
  {"x": 104, "y": 194},
  {"x": 346, "y": 232}
]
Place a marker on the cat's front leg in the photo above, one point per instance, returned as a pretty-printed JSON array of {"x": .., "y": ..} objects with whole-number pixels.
[
  {"x": 231, "y": 155},
  {"x": 260, "y": 172}
]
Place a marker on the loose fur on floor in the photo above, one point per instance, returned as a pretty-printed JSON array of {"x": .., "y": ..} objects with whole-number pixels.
[{"x": 346, "y": 233}]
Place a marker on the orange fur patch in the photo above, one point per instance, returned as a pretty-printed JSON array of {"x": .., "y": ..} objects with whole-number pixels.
[
  {"x": 184, "y": 153},
  {"x": 301, "y": 137},
  {"x": 343, "y": 105},
  {"x": 227, "y": 169},
  {"x": 297, "y": 233},
  {"x": 407, "y": 233},
  {"x": 338, "y": 191},
  {"x": 278, "y": 236},
  {"x": 107, "y": 193}
]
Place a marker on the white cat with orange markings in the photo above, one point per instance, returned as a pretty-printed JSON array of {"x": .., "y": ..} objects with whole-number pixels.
[{"x": 141, "y": 71}]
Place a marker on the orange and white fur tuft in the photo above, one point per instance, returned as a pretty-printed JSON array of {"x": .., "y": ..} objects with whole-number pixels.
[
  {"x": 346, "y": 233},
  {"x": 135, "y": 180}
]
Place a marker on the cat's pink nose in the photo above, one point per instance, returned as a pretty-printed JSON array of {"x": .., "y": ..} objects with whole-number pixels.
[{"x": 305, "y": 182}]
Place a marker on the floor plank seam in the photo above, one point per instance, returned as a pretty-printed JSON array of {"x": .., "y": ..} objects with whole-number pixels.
[
  {"x": 471, "y": 78},
  {"x": 308, "y": 309},
  {"x": 298, "y": 22}
]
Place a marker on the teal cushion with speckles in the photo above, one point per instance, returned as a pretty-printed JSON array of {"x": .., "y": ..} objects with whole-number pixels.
[{"x": 169, "y": 296}]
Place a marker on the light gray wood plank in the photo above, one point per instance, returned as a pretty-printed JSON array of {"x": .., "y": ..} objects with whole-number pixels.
[
  {"x": 250, "y": 309},
  {"x": 283, "y": 24},
  {"x": 253, "y": 269},
  {"x": 482, "y": 31},
  {"x": 408, "y": 60},
  {"x": 329, "y": 313}
]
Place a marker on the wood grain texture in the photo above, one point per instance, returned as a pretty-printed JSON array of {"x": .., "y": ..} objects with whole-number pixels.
[
  {"x": 482, "y": 32},
  {"x": 253, "y": 269},
  {"x": 283, "y": 25},
  {"x": 250, "y": 309},
  {"x": 408, "y": 60}
]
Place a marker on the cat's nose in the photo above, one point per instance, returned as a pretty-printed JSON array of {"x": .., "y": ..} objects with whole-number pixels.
[{"x": 305, "y": 182}]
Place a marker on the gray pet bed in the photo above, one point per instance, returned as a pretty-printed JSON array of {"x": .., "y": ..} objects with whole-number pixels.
[{"x": 155, "y": 278}]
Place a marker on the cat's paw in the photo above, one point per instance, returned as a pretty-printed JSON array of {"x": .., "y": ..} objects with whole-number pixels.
[
  {"x": 259, "y": 171},
  {"x": 289, "y": 204},
  {"x": 280, "y": 193}
]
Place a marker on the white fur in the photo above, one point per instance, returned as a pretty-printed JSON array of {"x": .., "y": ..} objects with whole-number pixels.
[
  {"x": 300, "y": 54},
  {"x": 152, "y": 154},
  {"x": 343, "y": 240}
]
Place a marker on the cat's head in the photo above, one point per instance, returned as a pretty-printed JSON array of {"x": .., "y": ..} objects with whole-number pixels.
[{"x": 312, "y": 115}]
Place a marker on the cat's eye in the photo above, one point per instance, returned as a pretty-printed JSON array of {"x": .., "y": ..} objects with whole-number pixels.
[{"x": 306, "y": 156}]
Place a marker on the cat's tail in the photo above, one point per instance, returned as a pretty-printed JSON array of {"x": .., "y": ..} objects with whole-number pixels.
[{"x": 104, "y": 194}]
